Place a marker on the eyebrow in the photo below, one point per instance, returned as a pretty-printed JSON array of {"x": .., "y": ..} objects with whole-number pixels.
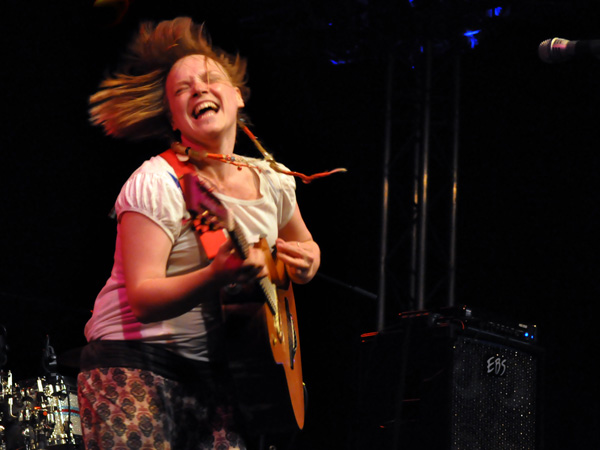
[{"x": 210, "y": 73}]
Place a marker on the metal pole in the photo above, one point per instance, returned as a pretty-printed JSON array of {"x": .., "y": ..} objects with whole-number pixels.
[
  {"x": 455, "y": 148},
  {"x": 385, "y": 197},
  {"x": 424, "y": 179},
  {"x": 414, "y": 242}
]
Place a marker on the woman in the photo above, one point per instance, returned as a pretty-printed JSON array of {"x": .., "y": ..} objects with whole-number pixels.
[{"x": 151, "y": 374}]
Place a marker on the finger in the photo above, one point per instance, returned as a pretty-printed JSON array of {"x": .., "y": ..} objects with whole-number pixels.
[
  {"x": 227, "y": 246},
  {"x": 233, "y": 261},
  {"x": 249, "y": 274},
  {"x": 292, "y": 248},
  {"x": 296, "y": 261}
]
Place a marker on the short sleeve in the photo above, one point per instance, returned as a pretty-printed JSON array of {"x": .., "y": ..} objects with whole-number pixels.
[
  {"x": 288, "y": 199},
  {"x": 283, "y": 192},
  {"x": 157, "y": 196}
]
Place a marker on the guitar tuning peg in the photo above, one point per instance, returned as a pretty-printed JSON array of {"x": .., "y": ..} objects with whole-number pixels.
[{"x": 204, "y": 217}]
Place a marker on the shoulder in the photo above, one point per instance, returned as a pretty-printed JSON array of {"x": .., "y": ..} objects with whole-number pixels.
[
  {"x": 277, "y": 180},
  {"x": 153, "y": 190},
  {"x": 154, "y": 173},
  {"x": 155, "y": 165},
  {"x": 280, "y": 187}
]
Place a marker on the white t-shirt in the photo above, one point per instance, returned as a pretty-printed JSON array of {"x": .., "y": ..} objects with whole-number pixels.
[{"x": 152, "y": 191}]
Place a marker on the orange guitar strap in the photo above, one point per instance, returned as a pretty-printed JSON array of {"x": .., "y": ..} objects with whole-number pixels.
[{"x": 210, "y": 240}]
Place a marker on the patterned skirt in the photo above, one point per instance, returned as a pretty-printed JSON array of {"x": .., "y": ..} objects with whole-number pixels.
[{"x": 136, "y": 408}]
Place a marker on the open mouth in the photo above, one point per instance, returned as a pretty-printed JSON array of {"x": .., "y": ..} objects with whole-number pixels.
[{"x": 204, "y": 108}]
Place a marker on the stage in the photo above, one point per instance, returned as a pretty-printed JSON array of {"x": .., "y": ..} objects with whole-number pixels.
[{"x": 528, "y": 191}]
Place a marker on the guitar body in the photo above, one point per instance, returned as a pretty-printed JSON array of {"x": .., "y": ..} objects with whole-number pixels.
[
  {"x": 287, "y": 353},
  {"x": 266, "y": 369}
]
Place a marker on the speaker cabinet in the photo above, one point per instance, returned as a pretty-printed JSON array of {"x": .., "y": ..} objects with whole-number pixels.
[{"x": 432, "y": 387}]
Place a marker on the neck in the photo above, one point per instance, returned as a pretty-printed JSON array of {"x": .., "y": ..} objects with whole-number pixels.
[
  {"x": 218, "y": 165},
  {"x": 215, "y": 169},
  {"x": 221, "y": 143}
]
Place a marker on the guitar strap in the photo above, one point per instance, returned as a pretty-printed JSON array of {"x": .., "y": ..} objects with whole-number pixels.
[{"x": 210, "y": 240}]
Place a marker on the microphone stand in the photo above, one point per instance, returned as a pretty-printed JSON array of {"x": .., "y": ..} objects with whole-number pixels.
[
  {"x": 59, "y": 390},
  {"x": 350, "y": 287}
]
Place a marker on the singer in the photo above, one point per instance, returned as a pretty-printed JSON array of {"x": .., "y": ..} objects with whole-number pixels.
[{"x": 154, "y": 372}]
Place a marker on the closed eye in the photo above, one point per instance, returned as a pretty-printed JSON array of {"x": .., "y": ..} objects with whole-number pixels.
[
  {"x": 214, "y": 77},
  {"x": 181, "y": 88}
]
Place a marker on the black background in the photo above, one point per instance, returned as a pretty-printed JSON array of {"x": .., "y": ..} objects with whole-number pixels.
[{"x": 528, "y": 174}]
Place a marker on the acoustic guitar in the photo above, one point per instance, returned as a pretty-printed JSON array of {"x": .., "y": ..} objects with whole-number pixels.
[{"x": 261, "y": 326}]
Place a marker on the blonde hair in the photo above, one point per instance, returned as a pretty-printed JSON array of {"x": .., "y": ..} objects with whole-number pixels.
[{"x": 131, "y": 103}]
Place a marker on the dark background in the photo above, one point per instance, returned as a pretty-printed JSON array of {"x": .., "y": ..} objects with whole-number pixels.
[{"x": 528, "y": 174}]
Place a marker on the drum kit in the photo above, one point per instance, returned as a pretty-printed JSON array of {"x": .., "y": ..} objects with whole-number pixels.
[{"x": 38, "y": 413}]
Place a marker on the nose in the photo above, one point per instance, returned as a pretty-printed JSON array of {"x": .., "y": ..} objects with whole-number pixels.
[{"x": 200, "y": 87}]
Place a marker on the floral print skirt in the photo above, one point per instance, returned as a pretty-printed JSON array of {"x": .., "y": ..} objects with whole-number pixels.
[{"x": 132, "y": 409}]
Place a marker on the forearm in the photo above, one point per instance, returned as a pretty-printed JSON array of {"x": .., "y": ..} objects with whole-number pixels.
[
  {"x": 298, "y": 250},
  {"x": 163, "y": 298},
  {"x": 302, "y": 275},
  {"x": 153, "y": 296},
  {"x": 302, "y": 259}
]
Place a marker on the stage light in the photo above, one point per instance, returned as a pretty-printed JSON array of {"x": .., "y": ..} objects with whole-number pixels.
[
  {"x": 470, "y": 34},
  {"x": 499, "y": 11}
]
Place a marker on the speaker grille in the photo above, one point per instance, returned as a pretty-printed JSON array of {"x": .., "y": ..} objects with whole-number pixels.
[
  {"x": 443, "y": 390},
  {"x": 493, "y": 400}
]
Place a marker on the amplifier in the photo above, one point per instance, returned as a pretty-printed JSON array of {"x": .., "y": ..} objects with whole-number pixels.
[
  {"x": 480, "y": 322},
  {"x": 441, "y": 380}
]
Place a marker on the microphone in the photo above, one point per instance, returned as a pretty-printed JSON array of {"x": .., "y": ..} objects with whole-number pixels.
[
  {"x": 560, "y": 50},
  {"x": 49, "y": 359}
]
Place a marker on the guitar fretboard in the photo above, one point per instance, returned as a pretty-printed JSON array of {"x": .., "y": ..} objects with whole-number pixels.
[{"x": 268, "y": 289}]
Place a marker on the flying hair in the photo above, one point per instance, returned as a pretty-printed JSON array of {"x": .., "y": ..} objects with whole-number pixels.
[{"x": 131, "y": 103}]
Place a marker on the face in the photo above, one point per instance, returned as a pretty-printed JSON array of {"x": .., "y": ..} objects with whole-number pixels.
[{"x": 202, "y": 100}]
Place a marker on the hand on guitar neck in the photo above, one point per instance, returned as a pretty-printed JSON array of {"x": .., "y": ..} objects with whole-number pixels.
[{"x": 229, "y": 267}]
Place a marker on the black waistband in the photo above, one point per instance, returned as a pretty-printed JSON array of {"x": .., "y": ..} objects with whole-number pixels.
[{"x": 139, "y": 355}]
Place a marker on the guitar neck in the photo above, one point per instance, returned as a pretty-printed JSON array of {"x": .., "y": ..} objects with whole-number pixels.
[
  {"x": 239, "y": 241},
  {"x": 268, "y": 289}
]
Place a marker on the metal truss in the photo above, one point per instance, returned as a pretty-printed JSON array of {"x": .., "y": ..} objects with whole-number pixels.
[{"x": 420, "y": 182}]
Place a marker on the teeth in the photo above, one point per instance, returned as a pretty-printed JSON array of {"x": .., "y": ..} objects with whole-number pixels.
[{"x": 203, "y": 107}]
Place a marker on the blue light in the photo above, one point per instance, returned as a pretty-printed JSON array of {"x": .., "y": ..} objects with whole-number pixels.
[
  {"x": 411, "y": 2},
  {"x": 526, "y": 334},
  {"x": 497, "y": 12},
  {"x": 470, "y": 34},
  {"x": 335, "y": 63}
]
